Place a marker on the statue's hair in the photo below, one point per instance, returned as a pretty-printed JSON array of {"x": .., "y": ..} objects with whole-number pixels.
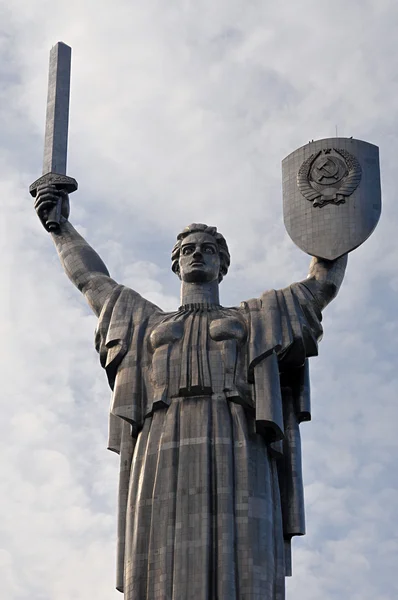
[{"x": 223, "y": 251}]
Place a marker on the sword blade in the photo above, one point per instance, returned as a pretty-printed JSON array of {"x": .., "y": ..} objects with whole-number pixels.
[{"x": 57, "y": 116}]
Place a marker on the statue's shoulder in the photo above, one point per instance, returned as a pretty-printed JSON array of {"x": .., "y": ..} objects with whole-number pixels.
[
  {"x": 270, "y": 299},
  {"x": 266, "y": 299},
  {"x": 125, "y": 300}
]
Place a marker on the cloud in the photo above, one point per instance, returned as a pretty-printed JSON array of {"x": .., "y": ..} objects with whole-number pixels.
[{"x": 181, "y": 113}]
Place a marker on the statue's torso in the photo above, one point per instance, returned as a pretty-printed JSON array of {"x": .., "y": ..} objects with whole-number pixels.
[{"x": 199, "y": 350}]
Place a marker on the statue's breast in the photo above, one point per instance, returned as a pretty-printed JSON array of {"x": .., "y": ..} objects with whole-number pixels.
[
  {"x": 166, "y": 333},
  {"x": 221, "y": 326},
  {"x": 228, "y": 328}
]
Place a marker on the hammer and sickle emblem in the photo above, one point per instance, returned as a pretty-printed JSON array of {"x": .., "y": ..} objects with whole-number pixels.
[{"x": 327, "y": 168}]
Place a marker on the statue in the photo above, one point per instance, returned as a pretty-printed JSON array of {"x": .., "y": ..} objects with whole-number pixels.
[{"x": 205, "y": 413}]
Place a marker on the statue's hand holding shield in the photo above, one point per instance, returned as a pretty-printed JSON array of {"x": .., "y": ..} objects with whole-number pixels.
[{"x": 331, "y": 195}]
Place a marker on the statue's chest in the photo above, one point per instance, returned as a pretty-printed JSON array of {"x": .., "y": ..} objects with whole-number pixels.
[{"x": 197, "y": 351}]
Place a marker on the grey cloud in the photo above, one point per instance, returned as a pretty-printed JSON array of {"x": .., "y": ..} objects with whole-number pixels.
[{"x": 182, "y": 113}]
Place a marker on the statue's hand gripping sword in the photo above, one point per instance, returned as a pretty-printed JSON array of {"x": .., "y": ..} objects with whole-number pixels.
[{"x": 56, "y": 136}]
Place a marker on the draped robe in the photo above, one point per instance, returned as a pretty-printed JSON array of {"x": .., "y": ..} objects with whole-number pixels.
[{"x": 230, "y": 386}]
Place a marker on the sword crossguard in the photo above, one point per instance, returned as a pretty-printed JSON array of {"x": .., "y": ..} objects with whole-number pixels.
[{"x": 61, "y": 182}]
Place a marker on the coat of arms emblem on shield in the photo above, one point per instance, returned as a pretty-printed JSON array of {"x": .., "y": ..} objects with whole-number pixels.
[{"x": 330, "y": 175}]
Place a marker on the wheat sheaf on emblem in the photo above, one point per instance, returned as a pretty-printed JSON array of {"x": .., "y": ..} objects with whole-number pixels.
[{"x": 321, "y": 194}]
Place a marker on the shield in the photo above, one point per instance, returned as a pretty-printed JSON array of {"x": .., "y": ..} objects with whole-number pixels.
[{"x": 331, "y": 195}]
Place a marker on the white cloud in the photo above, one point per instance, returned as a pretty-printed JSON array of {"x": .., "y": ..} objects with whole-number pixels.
[{"x": 180, "y": 113}]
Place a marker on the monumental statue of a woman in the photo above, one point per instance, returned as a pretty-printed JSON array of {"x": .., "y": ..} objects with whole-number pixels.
[{"x": 205, "y": 413}]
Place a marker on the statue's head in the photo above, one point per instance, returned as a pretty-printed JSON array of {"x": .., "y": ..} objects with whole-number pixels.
[{"x": 200, "y": 255}]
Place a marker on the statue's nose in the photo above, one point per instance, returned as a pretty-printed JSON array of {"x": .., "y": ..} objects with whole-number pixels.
[{"x": 197, "y": 253}]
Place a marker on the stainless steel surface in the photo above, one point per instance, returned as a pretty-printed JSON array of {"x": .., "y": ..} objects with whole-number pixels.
[
  {"x": 57, "y": 116},
  {"x": 331, "y": 195},
  {"x": 206, "y": 408}
]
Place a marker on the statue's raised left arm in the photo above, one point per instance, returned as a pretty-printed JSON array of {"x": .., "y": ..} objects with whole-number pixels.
[{"x": 325, "y": 278}]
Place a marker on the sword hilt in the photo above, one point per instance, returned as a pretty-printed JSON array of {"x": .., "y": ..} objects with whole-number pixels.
[{"x": 61, "y": 182}]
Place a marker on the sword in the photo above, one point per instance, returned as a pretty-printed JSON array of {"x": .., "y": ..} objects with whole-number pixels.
[{"x": 56, "y": 135}]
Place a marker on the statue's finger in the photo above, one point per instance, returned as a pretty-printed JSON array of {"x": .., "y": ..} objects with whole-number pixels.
[
  {"x": 48, "y": 200},
  {"x": 46, "y": 188},
  {"x": 54, "y": 197},
  {"x": 44, "y": 205}
]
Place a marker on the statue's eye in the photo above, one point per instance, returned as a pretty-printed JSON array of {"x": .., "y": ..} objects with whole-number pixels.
[
  {"x": 209, "y": 250},
  {"x": 186, "y": 250}
]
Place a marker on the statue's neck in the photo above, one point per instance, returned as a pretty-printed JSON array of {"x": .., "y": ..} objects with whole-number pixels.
[{"x": 199, "y": 293}]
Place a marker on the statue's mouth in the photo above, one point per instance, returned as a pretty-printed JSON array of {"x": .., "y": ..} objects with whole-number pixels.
[{"x": 197, "y": 263}]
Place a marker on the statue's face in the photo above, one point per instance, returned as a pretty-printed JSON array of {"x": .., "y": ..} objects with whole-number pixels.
[{"x": 199, "y": 258}]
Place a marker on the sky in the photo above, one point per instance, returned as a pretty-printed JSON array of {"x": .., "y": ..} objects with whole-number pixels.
[{"x": 182, "y": 112}]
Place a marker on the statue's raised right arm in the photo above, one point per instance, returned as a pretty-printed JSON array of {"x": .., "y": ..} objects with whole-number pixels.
[{"x": 81, "y": 263}]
